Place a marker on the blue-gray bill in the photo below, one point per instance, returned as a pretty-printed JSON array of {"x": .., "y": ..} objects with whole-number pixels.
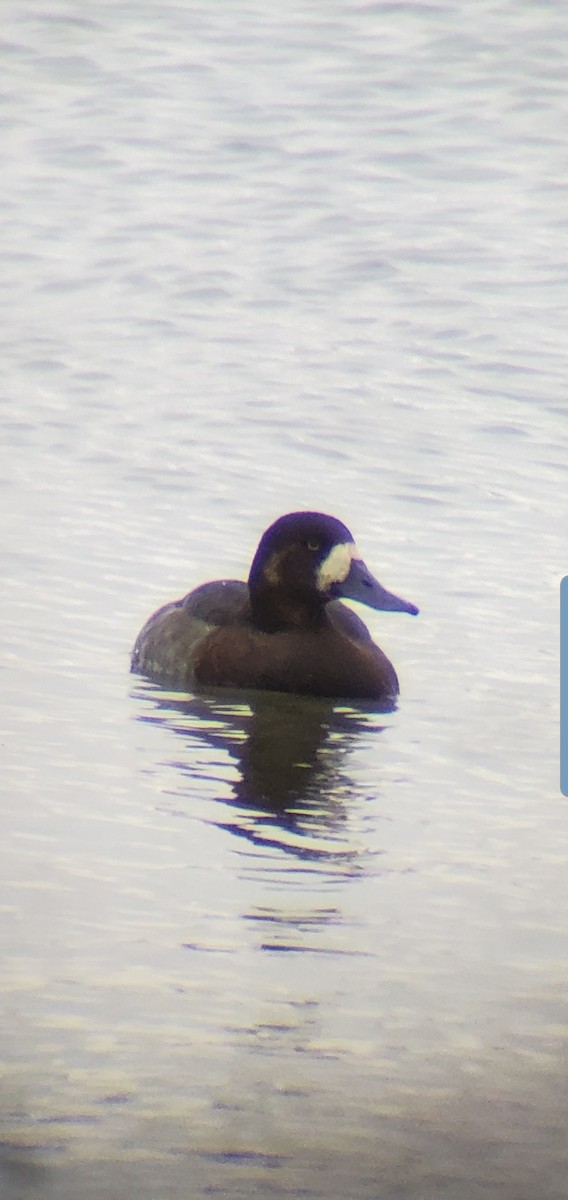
[{"x": 362, "y": 586}]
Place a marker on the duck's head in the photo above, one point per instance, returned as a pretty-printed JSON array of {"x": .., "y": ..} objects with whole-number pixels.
[{"x": 304, "y": 560}]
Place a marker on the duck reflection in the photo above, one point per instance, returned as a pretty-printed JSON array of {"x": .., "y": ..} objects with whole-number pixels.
[{"x": 291, "y": 789}]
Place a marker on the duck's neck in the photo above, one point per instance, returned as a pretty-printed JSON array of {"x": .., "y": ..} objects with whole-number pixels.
[{"x": 274, "y": 612}]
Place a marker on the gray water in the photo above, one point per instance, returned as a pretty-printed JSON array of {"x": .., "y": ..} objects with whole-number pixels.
[{"x": 258, "y": 257}]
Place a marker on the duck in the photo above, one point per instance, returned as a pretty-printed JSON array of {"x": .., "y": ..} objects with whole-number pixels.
[{"x": 285, "y": 629}]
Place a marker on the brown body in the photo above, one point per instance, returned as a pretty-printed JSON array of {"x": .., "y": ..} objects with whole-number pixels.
[
  {"x": 327, "y": 664},
  {"x": 179, "y": 648}
]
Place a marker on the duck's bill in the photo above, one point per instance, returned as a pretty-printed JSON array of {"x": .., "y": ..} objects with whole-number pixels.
[{"x": 360, "y": 585}]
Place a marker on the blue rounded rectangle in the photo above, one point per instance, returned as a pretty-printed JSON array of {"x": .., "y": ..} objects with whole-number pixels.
[{"x": 564, "y": 685}]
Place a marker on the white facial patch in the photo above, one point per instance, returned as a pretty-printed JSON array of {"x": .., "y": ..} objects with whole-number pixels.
[{"x": 336, "y": 567}]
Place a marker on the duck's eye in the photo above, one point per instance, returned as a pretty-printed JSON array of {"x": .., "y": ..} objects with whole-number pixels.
[{"x": 313, "y": 545}]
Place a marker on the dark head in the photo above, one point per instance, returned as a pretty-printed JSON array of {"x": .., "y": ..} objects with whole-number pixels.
[{"x": 303, "y": 561}]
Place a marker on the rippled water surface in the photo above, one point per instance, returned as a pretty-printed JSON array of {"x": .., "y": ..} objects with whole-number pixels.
[{"x": 260, "y": 257}]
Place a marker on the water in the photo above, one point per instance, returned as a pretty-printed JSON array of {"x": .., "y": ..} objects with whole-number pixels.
[{"x": 255, "y": 259}]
